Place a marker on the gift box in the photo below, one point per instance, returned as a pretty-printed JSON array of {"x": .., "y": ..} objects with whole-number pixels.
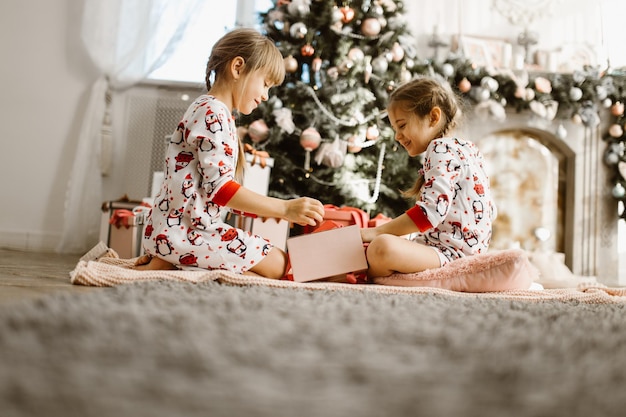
[
  {"x": 274, "y": 230},
  {"x": 343, "y": 216},
  {"x": 122, "y": 227},
  {"x": 379, "y": 220},
  {"x": 258, "y": 168},
  {"x": 327, "y": 253}
]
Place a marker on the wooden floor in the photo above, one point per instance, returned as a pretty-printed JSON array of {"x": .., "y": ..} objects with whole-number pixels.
[{"x": 27, "y": 275}]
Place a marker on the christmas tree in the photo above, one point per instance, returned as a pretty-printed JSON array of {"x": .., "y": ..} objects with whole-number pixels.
[{"x": 326, "y": 125}]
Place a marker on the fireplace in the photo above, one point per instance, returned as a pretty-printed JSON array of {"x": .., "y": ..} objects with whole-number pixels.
[{"x": 551, "y": 189}]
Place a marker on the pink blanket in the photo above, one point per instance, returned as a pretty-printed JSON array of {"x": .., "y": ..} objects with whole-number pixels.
[{"x": 109, "y": 270}]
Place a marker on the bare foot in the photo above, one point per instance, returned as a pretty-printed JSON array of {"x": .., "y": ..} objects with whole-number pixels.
[
  {"x": 150, "y": 263},
  {"x": 143, "y": 260}
]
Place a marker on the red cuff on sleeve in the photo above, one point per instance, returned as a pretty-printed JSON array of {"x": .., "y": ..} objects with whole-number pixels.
[
  {"x": 224, "y": 194},
  {"x": 418, "y": 216}
]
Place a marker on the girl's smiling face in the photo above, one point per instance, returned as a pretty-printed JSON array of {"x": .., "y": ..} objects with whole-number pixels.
[
  {"x": 414, "y": 133},
  {"x": 254, "y": 88}
]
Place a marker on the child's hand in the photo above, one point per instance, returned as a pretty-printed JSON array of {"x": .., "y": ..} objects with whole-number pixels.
[
  {"x": 368, "y": 234},
  {"x": 304, "y": 211}
]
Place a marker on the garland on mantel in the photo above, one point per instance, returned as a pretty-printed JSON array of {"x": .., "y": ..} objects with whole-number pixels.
[{"x": 581, "y": 97}]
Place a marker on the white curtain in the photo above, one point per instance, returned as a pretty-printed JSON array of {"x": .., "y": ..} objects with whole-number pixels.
[{"x": 126, "y": 40}]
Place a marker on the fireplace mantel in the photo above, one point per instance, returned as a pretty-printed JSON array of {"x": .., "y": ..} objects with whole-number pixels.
[{"x": 587, "y": 211}]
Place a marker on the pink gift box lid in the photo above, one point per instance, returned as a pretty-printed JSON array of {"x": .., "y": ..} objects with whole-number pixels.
[{"x": 325, "y": 254}]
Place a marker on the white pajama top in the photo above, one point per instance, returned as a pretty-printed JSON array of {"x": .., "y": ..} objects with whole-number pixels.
[
  {"x": 185, "y": 225},
  {"x": 455, "y": 209}
]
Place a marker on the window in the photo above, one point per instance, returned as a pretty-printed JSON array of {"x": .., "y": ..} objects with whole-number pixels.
[{"x": 188, "y": 62}]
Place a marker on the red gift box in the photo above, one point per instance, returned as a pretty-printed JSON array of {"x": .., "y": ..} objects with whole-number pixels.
[
  {"x": 380, "y": 219},
  {"x": 342, "y": 216},
  {"x": 122, "y": 226}
]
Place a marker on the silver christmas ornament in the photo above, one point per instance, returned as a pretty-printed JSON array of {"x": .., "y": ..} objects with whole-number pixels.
[
  {"x": 380, "y": 65},
  {"x": 298, "y": 30}
]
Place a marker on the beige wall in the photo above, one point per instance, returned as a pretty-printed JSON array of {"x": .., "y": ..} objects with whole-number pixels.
[{"x": 45, "y": 76}]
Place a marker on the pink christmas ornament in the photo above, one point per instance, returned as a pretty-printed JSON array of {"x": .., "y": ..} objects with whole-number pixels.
[
  {"x": 397, "y": 52},
  {"x": 353, "y": 144},
  {"x": 464, "y": 85},
  {"x": 356, "y": 54},
  {"x": 371, "y": 27},
  {"x": 316, "y": 65},
  {"x": 543, "y": 85},
  {"x": 258, "y": 131},
  {"x": 616, "y": 131},
  {"x": 291, "y": 64},
  {"x": 310, "y": 139},
  {"x": 617, "y": 109}
]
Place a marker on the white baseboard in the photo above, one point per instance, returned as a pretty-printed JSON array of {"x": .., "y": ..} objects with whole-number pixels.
[{"x": 29, "y": 241}]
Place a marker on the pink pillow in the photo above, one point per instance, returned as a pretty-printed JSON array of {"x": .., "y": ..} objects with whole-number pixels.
[{"x": 497, "y": 270}]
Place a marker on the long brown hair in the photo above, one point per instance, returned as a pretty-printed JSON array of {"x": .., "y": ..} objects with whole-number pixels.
[
  {"x": 259, "y": 54},
  {"x": 419, "y": 96}
]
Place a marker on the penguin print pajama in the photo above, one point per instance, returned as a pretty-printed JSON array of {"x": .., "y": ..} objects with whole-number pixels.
[
  {"x": 455, "y": 209},
  {"x": 185, "y": 226}
]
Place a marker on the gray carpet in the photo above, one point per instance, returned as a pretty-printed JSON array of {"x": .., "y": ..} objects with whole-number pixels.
[{"x": 177, "y": 349}]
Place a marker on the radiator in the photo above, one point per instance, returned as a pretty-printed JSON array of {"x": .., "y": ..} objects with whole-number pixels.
[{"x": 151, "y": 114}]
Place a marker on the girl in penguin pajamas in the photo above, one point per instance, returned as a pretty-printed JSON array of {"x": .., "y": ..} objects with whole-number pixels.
[
  {"x": 454, "y": 209},
  {"x": 204, "y": 164}
]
